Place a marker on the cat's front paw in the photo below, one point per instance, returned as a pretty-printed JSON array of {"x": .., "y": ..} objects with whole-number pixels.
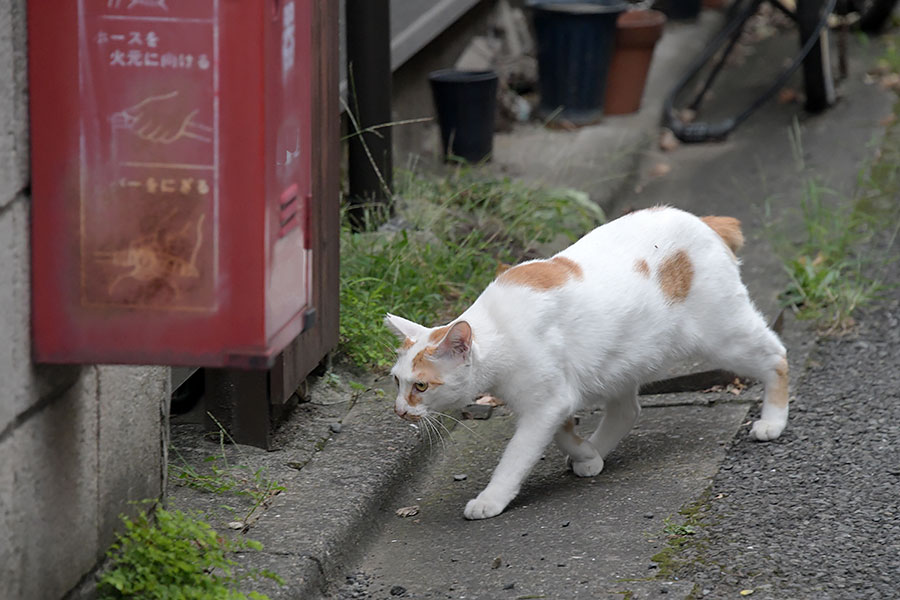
[
  {"x": 484, "y": 506},
  {"x": 765, "y": 431}
]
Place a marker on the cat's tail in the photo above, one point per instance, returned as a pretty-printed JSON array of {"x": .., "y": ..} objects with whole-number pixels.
[{"x": 729, "y": 229}]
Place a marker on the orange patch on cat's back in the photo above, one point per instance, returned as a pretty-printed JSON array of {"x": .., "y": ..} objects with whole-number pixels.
[
  {"x": 729, "y": 229},
  {"x": 642, "y": 268},
  {"x": 543, "y": 275},
  {"x": 676, "y": 273}
]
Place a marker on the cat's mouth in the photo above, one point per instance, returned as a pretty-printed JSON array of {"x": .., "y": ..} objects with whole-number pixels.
[{"x": 407, "y": 416}]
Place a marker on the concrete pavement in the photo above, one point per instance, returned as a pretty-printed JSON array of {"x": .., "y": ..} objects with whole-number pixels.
[{"x": 347, "y": 463}]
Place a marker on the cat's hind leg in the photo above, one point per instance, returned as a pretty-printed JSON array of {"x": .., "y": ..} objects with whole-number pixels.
[
  {"x": 775, "y": 401},
  {"x": 581, "y": 456},
  {"x": 619, "y": 416},
  {"x": 752, "y": 349}
]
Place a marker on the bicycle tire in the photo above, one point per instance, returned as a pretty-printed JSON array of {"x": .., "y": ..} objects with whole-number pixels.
[
  {"x": 818, "y": 80},
  {"x": 874, "y": 14}
]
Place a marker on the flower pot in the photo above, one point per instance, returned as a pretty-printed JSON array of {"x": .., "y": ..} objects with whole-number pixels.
[
  {"x": 680, "y": 10},
  {"x": 465, "y": 102},
  {"x": 637, "y": 32},
  {"x": 574, "y": 48}
]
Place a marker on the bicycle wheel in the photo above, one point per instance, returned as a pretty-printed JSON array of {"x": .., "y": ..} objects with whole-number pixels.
[
  {"x": 818, "y": 81},
  {"x": 873, "y": 14}
]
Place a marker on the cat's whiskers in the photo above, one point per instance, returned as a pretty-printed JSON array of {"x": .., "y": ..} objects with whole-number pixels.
[
  {"x": 434, "y": 424},
  {"x": 461, "y": 424}
]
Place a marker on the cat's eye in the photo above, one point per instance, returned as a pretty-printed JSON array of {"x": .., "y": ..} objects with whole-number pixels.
[{"x": 420, "y": 386}]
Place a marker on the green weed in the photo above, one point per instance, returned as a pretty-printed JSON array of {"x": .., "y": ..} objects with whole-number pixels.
[
  {"x": 221, "y": 477},
  {"x": 458, "y": 230},
  {"x": 175, "y": 556},
  {"x": 828, "y": 274}
]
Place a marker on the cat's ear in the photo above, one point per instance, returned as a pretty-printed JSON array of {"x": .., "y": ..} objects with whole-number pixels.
[
  {"x": 403, "y": 328},
  {"x": 457, "y": 343}
]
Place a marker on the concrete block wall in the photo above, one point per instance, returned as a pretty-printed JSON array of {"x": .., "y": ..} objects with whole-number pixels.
[{"x": 77, "y": 443}]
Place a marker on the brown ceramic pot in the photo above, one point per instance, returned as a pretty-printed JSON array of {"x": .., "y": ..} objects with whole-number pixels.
[{"x": 637, "y": 32}]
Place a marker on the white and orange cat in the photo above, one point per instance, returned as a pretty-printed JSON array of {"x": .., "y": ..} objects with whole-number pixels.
[{"x": 587, "y": 327}]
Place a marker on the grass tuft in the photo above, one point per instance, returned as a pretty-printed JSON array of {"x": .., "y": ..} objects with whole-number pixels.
[
  {"x": 175, "y": 555},
  {"x": 447, "y": 238}
]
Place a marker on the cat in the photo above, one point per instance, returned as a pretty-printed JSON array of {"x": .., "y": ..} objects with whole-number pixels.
[{"x": 587, "y": 327}]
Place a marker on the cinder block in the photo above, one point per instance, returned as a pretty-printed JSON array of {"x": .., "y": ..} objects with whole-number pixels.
[
  {"x": 14, "y": 170},
  {"x": 15, "y": 359},
  {"x": 48, "y": 491},
  {"x": 22, "y": 384},
  {"x": 130, "y": 443}
]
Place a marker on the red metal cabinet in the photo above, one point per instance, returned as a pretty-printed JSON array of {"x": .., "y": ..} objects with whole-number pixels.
[{"x": 172, "y": 194}]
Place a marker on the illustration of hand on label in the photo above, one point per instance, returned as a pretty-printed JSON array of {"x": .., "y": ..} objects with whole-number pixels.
[{"x": 162, "y": 120}]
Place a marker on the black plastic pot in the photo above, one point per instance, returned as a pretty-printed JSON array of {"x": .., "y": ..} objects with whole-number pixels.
[
  {"x": 680, "y": 10},
  {"x": 575, "y": 45},
  {"x": 466, "y": 102}
]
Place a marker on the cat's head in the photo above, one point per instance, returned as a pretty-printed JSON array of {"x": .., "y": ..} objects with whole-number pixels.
[{"x": 433, "y": 368}]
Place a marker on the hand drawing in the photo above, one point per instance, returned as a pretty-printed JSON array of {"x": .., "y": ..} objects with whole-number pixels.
[{"x": 159, "y": 119}]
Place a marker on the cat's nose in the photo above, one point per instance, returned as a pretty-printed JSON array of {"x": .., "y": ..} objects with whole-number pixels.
[{"x": 400, "y": 412}]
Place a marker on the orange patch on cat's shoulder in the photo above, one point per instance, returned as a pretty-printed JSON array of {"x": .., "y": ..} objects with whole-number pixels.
[
  {"x": 676, "y": 273},
  {"x": 729, "y": 229},
  {"x": 642, "y": 268},
  {"x": 543, "y": 275},
  {"x": 438, "y": 334}
]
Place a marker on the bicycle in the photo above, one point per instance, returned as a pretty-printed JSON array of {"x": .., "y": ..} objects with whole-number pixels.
[{"x": 811, "y": 19}]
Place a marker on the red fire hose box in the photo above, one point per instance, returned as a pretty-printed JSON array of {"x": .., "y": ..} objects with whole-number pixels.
[{"x": 171, "y": 163}]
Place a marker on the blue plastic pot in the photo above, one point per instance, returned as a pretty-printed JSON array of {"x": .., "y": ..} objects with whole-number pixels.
[{"x": 575, "y": 44}]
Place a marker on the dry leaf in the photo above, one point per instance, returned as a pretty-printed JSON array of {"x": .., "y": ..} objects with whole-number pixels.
[
  {"x": 746, "y": 592},
  {"x": 668, "y": 141},
  {"x": 489, "y": 400},
  {"x": 408, "y": 511},
  {"x": 891, "y": 81},
  {"x": 660, "y": 169},
  {"x": 236, "y": 525},
  {"x": 888, "y": 120},
  {"x": 787, "y": 96},
  {"x": 497, "y": 562}
]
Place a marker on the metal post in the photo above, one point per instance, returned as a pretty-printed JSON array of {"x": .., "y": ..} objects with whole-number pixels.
[{"x": 370, "y": 152}]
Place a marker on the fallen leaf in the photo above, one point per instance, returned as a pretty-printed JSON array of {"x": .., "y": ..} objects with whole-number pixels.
[
  {"x": 746, "y": 592},
  {"x": 497, "y": 562},
  {"x": 489, "y": 401},
  {"x": 668, "y": 141},
  {"x": 236, "y": 525},
  {"x": 660, "y": 169},
  {"x": 888, "y": 120},
  {"x": 408, "y": 511},
  {"x": 787, "y": 96},
  {"x": 891, "y": 81}
]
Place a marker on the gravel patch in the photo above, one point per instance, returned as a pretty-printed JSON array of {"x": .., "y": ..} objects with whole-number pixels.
[{"x": 815, "y": 514}]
